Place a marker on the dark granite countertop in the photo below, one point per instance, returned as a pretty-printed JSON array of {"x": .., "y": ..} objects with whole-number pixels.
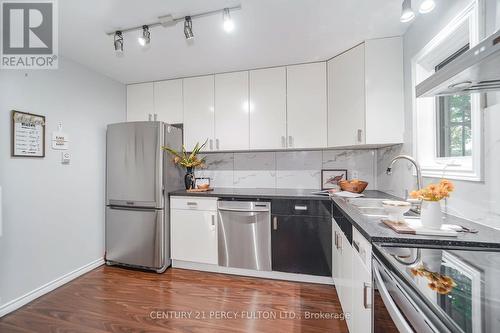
[
  {"x": 370, "y": 227},
  {"x": 375, "y": 231},
  {"x": 255, "y": 193}
]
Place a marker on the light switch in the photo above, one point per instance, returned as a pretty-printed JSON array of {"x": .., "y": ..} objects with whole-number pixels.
[{"x": 65, "y": 157}]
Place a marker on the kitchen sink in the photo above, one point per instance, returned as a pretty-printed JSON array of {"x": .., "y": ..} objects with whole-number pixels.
[
  {"x": 368, "y": 203},
  {"x": 373, "y": 207}
]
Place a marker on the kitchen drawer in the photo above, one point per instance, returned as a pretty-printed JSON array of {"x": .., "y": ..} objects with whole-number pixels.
[
  {"x": 343, "y": 223},
  {"x": 193, "y": 203},
  {"x": 301, "y": 207},
  {"x": 362, "y": 248}
]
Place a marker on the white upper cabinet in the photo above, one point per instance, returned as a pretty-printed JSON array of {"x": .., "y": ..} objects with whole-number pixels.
[
  {"x": 365, "y": 94},
  {"x": 384, "y": 90},
  {"x": 268, "y": 108},
  {"x": 231, "y": 111},
  {"x": 346, "y": 98},
  {"x": 199, "y": 111},
  {"x": 140, "y": 101},
  {"x": 168, "y": 101},
  {"x": 307, "y": 106}
]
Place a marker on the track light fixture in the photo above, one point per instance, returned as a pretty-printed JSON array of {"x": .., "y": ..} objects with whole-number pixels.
[
  {"x": 427, "y": 6},
  {"x": 407, "y": 13},
  {"x": 228, "y": 22},
  {"x": 188, "y": 27},
  {"x": 146, "y": 36},
  {"x": 167, "y": 21},
  {"x": 118, "y": 42}
]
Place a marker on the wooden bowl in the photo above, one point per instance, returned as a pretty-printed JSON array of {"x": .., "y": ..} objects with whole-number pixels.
[
  {"x": 354, "y": 186},
  {"x": 203, "y": 186}
]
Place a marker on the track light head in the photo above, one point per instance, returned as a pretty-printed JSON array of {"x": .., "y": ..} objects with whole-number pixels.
[
  {"x": 118, "y": 43},
  {"x": 188, "y": 27},
  {"x": 146, "y": 36},
  {"x": 427, "y": 6},
  {"x": 407, "y": 13},
  {"x": 228, "y": 22}
]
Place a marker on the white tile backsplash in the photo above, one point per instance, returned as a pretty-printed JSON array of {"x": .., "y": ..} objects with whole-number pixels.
[{"x": 286, "y": 169}]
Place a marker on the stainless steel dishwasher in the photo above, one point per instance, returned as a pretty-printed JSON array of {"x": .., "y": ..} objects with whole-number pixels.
[{"x": 244, "y": 235}]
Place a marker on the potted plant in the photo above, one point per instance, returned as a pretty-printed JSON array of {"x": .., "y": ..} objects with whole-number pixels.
[
  {"x": 431, "y": 214},
  {"x": 188, "y": 160}
]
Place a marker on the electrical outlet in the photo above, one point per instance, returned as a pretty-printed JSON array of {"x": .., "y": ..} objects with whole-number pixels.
[{"x": 354, "y": 174}]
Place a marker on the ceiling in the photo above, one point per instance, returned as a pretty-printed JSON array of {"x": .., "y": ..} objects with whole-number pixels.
[{"x": 267, "y": 33}]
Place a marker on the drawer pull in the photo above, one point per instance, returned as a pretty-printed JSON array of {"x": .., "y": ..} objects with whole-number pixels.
[
  {"x": 366, "y": 304},
  {"x": 191, "y": 203},
  {"x": 298, "y": 207},
  {"x": 275, "y": 223}
]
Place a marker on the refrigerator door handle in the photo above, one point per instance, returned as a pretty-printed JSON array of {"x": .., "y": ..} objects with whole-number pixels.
[{"x": 142, "y": 209}]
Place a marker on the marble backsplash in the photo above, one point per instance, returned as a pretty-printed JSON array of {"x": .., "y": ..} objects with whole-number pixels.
[{"x": 286, "y": 169}]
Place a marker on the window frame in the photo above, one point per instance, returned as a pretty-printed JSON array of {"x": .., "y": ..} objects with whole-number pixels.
[{"x": 469, "y": 168}]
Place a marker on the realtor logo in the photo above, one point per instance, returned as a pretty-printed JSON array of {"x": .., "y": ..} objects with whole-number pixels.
[{"x": 29, "y": 34}]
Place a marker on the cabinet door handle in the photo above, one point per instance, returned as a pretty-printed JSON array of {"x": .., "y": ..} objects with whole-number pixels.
[
  {"x": 213, "y": 222},
  {"x": 217, "y": 144},
  {"x": 360, "y": 135},
  {"x": 290, "y": 141},
  {"x": 275, "y": 223},
  {"x": 300, "y": 207},
  {"x": 211, "y": 142},
  {"x": 366, "y": 304},
  {"x": 335, "y": 239},
  {"x": 283, "y": 141},
  {"x": 340, "y": 242}
]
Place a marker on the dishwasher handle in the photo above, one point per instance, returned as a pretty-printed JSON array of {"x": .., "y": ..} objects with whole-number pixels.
[{"x": 245, "y": 210}]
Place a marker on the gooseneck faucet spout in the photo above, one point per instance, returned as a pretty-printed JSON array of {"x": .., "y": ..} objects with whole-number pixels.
[
  {"x": 413, "y": 161},
  {"x": 419, "y": 175}
]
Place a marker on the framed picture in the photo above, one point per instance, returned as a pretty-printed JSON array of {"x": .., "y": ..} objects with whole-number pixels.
[
  {"x": 28, "y": 135},
  {"x": 331, "y": 177}
]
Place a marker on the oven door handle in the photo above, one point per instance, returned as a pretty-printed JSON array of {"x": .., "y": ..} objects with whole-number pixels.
[{"x": 396, "y": 315}]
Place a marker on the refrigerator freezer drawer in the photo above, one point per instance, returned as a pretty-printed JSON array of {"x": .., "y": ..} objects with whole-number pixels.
[{"x": 136, "y": 237}]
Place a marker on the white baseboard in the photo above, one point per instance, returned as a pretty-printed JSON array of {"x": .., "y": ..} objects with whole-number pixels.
[
  {"x": 252, "y": 273},
  {"x": 48, "y": 287}
]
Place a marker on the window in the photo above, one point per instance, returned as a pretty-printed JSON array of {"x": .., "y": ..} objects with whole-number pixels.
[
  {"x": 447, "y": 130},
  {"x": 454, "y": 136}
]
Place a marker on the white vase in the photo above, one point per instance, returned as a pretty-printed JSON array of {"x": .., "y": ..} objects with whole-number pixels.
[{"x": 431, "y": 214}]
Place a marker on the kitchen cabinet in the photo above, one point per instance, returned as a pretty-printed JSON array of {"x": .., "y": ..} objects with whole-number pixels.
[
  {"x": 168, "y": 101},
  {"x": 346, "y": 98},
  {"x": 198, "y": 97},
  {"x": 365, "y": 94},
  {"x": 352, "y": 275},
  {"x": 268, "y": 108},
  {"x": 307, "y": 106},
  {"x": 140, "y": 101},
  {"x": 193, "y": 233},
  {"x": 231, "y": 111},
  {"x": 301, "y": 238},
  {"x": 361, "y": 295}
]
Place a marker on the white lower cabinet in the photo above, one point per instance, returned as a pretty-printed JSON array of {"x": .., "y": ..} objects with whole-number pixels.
[
  {"x": 193, "y": 228},
  {"x": 352, "y": 277}
]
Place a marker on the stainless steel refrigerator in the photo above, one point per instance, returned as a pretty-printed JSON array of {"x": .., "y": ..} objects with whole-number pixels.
[{"x": 139, "y": 176}]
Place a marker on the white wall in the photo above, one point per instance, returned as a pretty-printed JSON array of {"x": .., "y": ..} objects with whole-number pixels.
[
  {"x": 53, "y": 214},
  {"x": 479, "y": 201}
]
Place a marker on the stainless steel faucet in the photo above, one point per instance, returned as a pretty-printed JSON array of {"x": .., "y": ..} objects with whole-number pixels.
[{"x": 417, "y": 168}]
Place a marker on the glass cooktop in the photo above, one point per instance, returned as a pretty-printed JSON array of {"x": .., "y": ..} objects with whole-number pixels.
[{"x": 463, "y": 286}]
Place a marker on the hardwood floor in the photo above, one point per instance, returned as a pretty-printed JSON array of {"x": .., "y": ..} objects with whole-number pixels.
[{"x": 112, "y": 299}]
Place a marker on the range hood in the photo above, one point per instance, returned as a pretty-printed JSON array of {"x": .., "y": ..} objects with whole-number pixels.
[{"x": 477, "y": 70}]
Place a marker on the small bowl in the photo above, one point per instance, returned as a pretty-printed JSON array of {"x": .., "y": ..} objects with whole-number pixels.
[
  {"x": 354, "y": 186},
  {"x": 396, "y": 209},
  {"x": 203, "y": 186}
]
